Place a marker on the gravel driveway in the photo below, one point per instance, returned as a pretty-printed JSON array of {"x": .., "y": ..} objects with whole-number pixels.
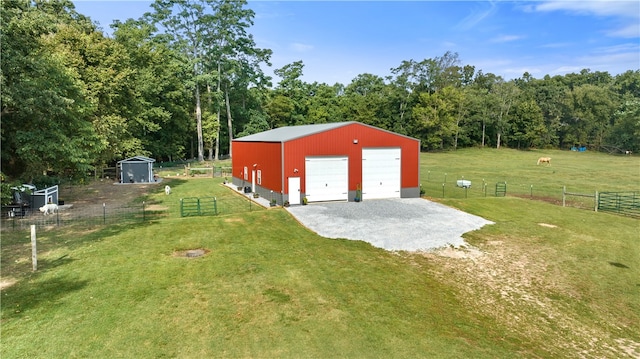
[{"x": 408, "y": 224}]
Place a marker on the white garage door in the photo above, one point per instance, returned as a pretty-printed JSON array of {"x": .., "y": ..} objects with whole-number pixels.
[
  {"x": 381, "y": 173},
  {"x": 327, "y": 178}
]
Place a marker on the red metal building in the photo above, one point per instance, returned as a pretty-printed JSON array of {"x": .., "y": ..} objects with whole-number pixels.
[{"x": 327, "y": 162}]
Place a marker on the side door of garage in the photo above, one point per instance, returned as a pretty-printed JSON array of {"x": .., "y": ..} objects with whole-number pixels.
[
  {"x": 327, "y": 178},
  {"x": 381, "y": 169}
]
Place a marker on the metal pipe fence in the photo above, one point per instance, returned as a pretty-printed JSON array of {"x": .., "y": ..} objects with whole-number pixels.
[{"x": 443, "y": 185}]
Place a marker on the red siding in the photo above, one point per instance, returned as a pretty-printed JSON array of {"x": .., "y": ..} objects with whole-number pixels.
[
  {"x": 267, "y": 156},
  {"x": 340, "y": 142}
]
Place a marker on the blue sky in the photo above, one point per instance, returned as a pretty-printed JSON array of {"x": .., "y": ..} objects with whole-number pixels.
[{"x": 338, "y": 40}]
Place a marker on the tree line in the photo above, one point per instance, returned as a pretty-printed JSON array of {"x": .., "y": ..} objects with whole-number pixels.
[{"x": 186, "y": 78}]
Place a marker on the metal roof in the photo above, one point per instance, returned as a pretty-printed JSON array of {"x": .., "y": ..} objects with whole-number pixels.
[
  {"x": 138, "y": 159},
  {"x": 288, "y": 133}
]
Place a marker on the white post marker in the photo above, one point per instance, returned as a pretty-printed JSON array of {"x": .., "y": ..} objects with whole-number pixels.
[{"x": 34, "y": 254}]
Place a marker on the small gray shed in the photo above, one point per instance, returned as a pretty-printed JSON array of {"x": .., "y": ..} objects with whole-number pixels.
[
  {"x": 138, "y": 169},
  {"x": 44, "y": 196}
]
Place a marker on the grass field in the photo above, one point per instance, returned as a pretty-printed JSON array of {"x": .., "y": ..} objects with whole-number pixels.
[
  {"x": 543, "y": 282},
  {"x": 579, "y": 172}
]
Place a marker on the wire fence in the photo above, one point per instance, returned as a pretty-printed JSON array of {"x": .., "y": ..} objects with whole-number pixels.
[
  {"x": 108, "y": 215},
  {"x": 441, "y": 186}
]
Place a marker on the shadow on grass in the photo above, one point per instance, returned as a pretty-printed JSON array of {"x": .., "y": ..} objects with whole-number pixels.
[
  {"x": 15, "y": 257},
  {"x": 619, "y": 265},
  {"x": 28, "y": 295},
  {"x": 46, "y": 264}
]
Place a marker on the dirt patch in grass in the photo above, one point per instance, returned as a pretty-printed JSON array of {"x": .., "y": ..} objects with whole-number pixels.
[
  {"x": 7, "y": 282},
  {"x": 91, "y": 197},
  {"x": 191, "y": 253},
  {"x": 459, "y": 253},
  {"x": 522, "y": 289},
  {"x": 234, "y": 219},
  {"x": 155, "y": 207}
]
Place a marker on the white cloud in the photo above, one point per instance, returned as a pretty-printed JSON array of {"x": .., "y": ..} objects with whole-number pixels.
[
  {"x": 566, "y": 69},
  {"x": 556, "y": 45},
  {"x": 507, "y": 38},
  {"x": 627, "y": 12},
  {"x": 476, "y": 17},
  {"x": 629, "y": 31},
  {"x": 628, "y": 47},
  {"x": 298, "y": 47},
  {"x": 600, "y": 8}
]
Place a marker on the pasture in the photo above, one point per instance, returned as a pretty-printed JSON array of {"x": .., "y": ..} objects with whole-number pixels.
[
  {"x": 544, "y": 281},
  {"x": 579, "y": 172}
]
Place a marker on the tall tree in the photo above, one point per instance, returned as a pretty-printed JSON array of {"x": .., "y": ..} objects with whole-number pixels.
[
  {"x": 45, "y": 114},
  {"x": 593, "y": 108},
  {"x": 366, "y": 101},
  {"x": 287, "y": 106},
  {"x": 234, "y": 54},
  {"x": 505, "y": 95},
  {"x": 188, "y": 24},
  {"x": 158, "y": 112}
]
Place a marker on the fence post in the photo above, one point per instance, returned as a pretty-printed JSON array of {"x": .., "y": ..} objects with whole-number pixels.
[
  {"x": 531, "y": 192},
  {"x": 564, "y": 195},
  {"x": 596, "y": 202},
  {"x": 104, "y": 213},
  {"x": 443, "y": 190},
  {"x": 34, "y": 252}
]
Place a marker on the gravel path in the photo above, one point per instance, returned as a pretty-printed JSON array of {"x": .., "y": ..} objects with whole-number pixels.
[{"x": 409, "y": 224}]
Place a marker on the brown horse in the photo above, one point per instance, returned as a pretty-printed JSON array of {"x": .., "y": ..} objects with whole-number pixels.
[{"x": 544, "y": 160}]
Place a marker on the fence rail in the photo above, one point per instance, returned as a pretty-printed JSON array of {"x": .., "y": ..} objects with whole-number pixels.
[
  {"x": 625, "y": 203},
  {"x": 441, "y": 185},
  {"x": 198, "y": 206},
  {"x": 106, "y": 215},
  {"x": 584, "y": 195}
]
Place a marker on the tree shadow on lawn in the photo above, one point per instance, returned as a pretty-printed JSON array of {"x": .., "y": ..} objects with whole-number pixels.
[
  {"x": 30, "y": 294},
  {"x": 15, "y": 257}
]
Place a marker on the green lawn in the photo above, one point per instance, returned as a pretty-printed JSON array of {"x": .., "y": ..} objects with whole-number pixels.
[
  {"x": 579, "y": 172},
  {"x": 268, "y": 287}
]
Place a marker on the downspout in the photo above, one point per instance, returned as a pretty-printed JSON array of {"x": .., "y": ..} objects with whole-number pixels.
[
  {"x": 419, "y": 184},
  {"x": 282, "y": 169}
]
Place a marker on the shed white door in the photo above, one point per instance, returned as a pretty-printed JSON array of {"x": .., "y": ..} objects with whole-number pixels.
[
  {"x": 294, "y": 190},
  {"x": 327, "y": 178},
  {"x": 381, "y": 173}
]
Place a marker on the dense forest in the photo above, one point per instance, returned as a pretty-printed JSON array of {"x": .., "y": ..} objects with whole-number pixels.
[{"x": 187, "y": 78}]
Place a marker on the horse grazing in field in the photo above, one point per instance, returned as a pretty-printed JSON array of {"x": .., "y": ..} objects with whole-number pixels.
[{"x": 544, "y": 160}]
